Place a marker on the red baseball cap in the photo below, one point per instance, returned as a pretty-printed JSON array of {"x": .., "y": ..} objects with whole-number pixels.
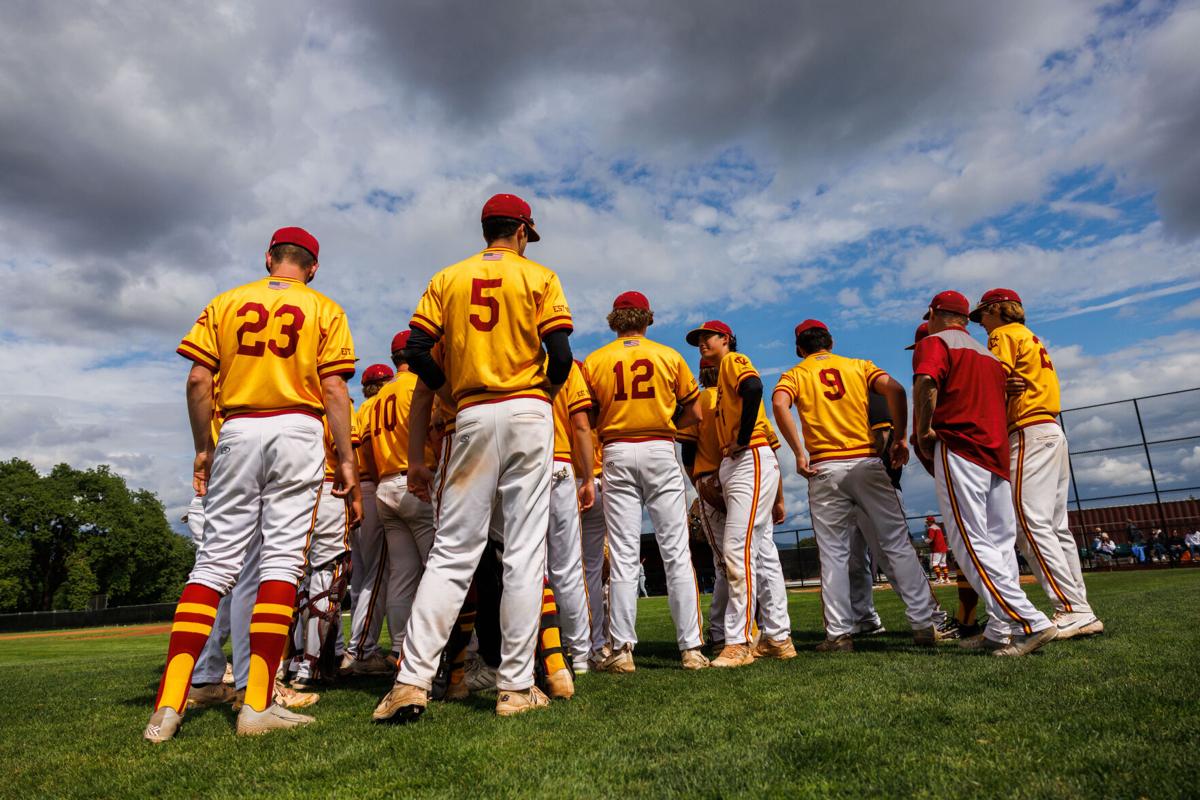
[
  {"x": 921, "y": 332},
  {"x": 400, "y": 341},
  {"x": 993, "y": 296},
  {"x": 811, "y": 324},
  {"x": 298, "y": 237},
  {"x": 376, "y": 372},
  {"x": 712, "y": 326},
  {"x": 511, "y": 207},
  {"x": 949, "y": 300},
  {"x": 631, "y": 300}
]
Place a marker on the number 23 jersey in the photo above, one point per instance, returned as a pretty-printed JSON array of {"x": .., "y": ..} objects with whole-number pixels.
[
  {"x": 831, "y": 394},
  {"x": 638, "y": 383},
  {"x": 271, "y": 342},
  {"x": 491, "y": 312}
]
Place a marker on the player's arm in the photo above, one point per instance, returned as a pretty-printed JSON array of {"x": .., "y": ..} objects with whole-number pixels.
[
  {"x": 420, "y": 476},
  {"x": 558, "y": 358},
  {"x": 420, "y": 358},
  {"x": 750, "y": 390},
  {"x": 200, "y": 414},
  {"x": 585, "y": 454},
  {"x": 924, "y": 402},
  {"x": 779, "y": 509},
  {"x": 338, "y": 410},
  {"x": 781, "y": 404},
  {"x": 897, "y": 401},
  {"x": 689, "y": 413},
  {"x": 688, "y": 451}
]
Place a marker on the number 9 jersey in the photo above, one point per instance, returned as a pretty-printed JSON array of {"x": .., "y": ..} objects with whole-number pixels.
[
  {"x": 271, "y": 342},
  {"x": 831, "y": 394},
  {"x": 638, "y": 383}
]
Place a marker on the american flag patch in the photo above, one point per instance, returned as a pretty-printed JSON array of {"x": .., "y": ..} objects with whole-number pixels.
[
  {"x": 492, "y": 256},
  {"x": 632, "y": 343},
  {"x": 278, "y": 284}
]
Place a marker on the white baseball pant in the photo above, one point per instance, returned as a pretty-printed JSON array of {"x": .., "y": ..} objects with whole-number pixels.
[
  {"x": 408, "y": 528},
  {"x": 834, "y": 493},
  {"x": 328, "y": 542},
  {"x": 265, "y": 470},
  {"x": 368, "y": 578},
  {"x": 977, "y": 510},
  {"x": 1041, "y": 477},
  {"x": 865, "y": 556},
  {"x": 500, "y": 454},
  {"x": 749, "y": 482},
  {"x": 594, "y": 532},
  {"x": 647, "y": 475},
  {"x": 937, "y": 559},
  {"x": 564, "y": 564},
  {"x": 232, "y": 622}
]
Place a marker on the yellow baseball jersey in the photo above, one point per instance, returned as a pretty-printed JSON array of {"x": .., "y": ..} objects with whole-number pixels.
[
  {"x": 638, "y": 384},
  {"x": 704, "y": 434},
  {"x": 830, "y": 394},
  {"x": 331, "y": 455},
  {"x": 387, "y": 435},
  {"x": 362, "y": 421},
  {"x": 574, "y": 396},
  {"x": 271, "y": 341},
  {"x": 1025, "y": 355},
  {"x": 498, "y": 306},
  {"x": 735, "y": 368}
]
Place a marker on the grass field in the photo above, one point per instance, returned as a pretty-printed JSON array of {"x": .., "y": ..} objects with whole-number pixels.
[{"x": 1112, "y": 716}]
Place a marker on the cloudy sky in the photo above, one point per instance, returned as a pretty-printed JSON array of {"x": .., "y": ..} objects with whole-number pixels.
[{"x": 758, "y": 162}]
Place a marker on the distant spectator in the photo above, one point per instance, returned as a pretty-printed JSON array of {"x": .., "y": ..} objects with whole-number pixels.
[
  {"x": 1137, "y": 543},
  {"x": 1175, "y": 547},
  {"x": 1103, "y": 548},
  {"x": 1192, "y": 543},
  {"x": 1158, "y": 545}
]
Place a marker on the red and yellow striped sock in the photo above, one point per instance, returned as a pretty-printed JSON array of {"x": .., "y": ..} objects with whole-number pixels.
[
  {"x": 269, "y": 627},
  {"x": 968, "y": 601},
  {"x": 550, "y": 648},
  {"x": 194, "y": 615}
]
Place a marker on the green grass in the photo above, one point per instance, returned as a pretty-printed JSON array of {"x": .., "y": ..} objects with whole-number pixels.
[{"x": 1111, "y": 716}]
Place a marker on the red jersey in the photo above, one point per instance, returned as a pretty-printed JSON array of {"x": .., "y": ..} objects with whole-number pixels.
[
  {"x": 937, "y": 540},
  {"x": 971, "y": 417}
]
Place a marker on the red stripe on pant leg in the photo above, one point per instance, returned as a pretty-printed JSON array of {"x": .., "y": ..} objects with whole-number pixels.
[
  {"x": 266, "y": 645},
  {"x": 749, "y": 547},
  {"x": 175, "y": 682}
]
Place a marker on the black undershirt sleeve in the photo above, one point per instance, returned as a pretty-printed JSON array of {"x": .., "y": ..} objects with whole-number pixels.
[
  {"x": 751, "y": 392},
  {"x": 558, "y": 356},
  {"x": 689, "y": 455},
  {"x": 420, "y": 358}
]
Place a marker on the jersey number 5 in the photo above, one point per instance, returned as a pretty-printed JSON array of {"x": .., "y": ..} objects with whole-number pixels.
[
  {"x": 290, "y": 329},
  {"x": 642, "y": 371},
  {"x": 833, "y": 379},
  {"x": 478, "y": 298}
]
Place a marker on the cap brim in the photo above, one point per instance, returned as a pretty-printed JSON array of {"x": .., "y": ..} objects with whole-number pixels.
[
  {"x": 912, "y": 346},
  {"x": 928, "y": 311},
  {"x": 976, "y": 315},
  {"x": 693, "y": 337},
  {"x": 534, "y": 236}
]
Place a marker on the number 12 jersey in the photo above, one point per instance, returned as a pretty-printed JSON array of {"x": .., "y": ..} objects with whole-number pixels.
[
  {"x": 638, "y": 383},
  {"x": 830, "y": 393}
]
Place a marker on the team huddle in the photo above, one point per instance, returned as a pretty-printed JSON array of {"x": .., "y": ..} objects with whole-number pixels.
[{"x": 487, "y": 497}]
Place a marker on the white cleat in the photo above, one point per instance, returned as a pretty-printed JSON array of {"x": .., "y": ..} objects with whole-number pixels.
[
  {"x": 1072, "y": 624},
  {"x": 162, "y": 726},
  {"x": 272, "y": 718}
]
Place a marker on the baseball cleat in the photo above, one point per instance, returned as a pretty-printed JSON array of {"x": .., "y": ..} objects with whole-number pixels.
[
  {"x": 211, "y": 694},
  {"x": 346, "y": 667},
  {"x": 948, "y": 630},
  {"x": 868, "y": 628},
  {"x": 981, "y": 642},
  {"x": 404, "y": 703},
  {"x": 734, "y": 655},
  {"x": 928, "y": 637},
  {"x": 162, "y": 726},
  {"x": 837, "y": 644},
  {"x": 510, "y": 703},
  {"x": 480, "y": 677},
  {"x": 620, "y": 662},
  {"x": 456, "y": 690},
  {"x": 1075, "y": 624},
  {"x": 780, "y": 649},
  {"x": 1025, "y": 645},
  {"x": 272, "y": 718},
  {"x": 561, "y": 685},
  {"x": 290, "y": 698},
  {"x": 375, "y": 664},
  {"x": 694, "y": 659}
]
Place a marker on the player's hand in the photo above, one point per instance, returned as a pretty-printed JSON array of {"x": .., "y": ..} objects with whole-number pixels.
[
  {"x": 778, "y": 511},
  {"x": 804, "y": 468},
  {"x": 1014, "y": 386},
  {"x": 200, "y": 471},
  {"x": 925, "y": 441},
  {"x": 420, "y": 482},
  {"x": 926, "y": 461},
  {"x": 345, "y": 485},
  {"x": 586, "y": 494},
  {"x": 898, "y": 452}
]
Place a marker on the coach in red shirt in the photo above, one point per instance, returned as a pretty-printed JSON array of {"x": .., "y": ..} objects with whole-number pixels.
[{"x": 960, "y": 422}]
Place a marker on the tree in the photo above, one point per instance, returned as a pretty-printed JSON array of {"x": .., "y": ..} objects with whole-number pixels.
[{"x": 74, "y": 533}]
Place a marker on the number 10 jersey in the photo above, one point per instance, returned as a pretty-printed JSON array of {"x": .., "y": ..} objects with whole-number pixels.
[
  {"x": 271, "y": 342},
  {"x": 638, "y": 383},
  {"x": 830, "y": 393}
]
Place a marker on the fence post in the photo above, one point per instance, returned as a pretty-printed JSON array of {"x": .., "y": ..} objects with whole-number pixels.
[
  {"x": 1062, "y": 420},
  {"x": 1162, "y": 516}
]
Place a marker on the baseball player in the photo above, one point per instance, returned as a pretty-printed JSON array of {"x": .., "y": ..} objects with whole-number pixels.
[
  {"x": 702, "y": 460},
  {"x": 494, "y": 312},
  {"x": 594, "y": 535},
  {"x": 830, "y": 393},
  {"x": 643, "y": 391},
  {"x": 1040, "y": 469},
  {"x": 283, "y": 352},
  {"x": 960, "y": 425},
  {"x": 749, "y": 477},
  {"x": 407, "y": 519},
  {"x": 937, "y": 551},
  {"x": 568, "y": 499},
  {"x": 368, "y": 555}
]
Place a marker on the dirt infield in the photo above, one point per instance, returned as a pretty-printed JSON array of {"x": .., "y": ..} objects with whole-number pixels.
[{"x": 80, "y": 634}]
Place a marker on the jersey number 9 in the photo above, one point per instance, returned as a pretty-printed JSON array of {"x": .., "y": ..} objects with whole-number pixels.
[
  {"x": 290, "y": 330},
  {"x": 833, "y": 379}
]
